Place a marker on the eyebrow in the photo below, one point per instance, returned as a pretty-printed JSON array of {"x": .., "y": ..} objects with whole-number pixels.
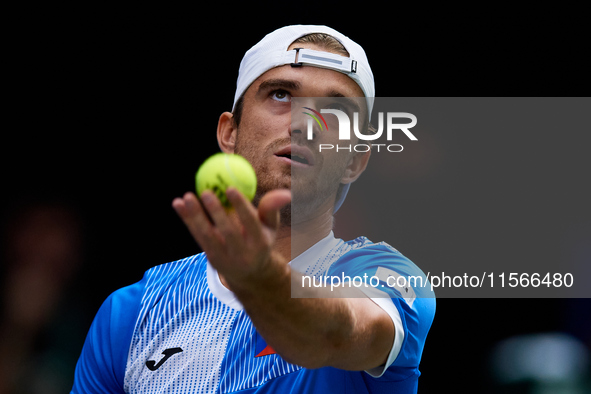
[
  {"x": 287, "y": 84},
  {"x": 349, "y": 101},
  {"x": 335, "y": 93}
]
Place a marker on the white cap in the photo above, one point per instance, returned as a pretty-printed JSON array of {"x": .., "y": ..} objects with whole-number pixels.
[{"x": 272, "y": 52}]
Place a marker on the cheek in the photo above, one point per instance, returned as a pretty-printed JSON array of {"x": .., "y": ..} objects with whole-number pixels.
[
  {"x": 255, "y": 138},
  {"x": 262, "y": 127},
  {"x": 335, "y": 157}
]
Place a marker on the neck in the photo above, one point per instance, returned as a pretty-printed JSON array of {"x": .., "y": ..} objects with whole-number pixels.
[{"x": 293, "y": 240}]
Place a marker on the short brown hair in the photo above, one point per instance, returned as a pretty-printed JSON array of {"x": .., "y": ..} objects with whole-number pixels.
[{"x": 324, "y": 41}]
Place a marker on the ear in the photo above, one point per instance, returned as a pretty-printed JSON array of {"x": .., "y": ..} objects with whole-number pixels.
[
  {"x": 227, "y": 132},
  {"x": 357, "y": 164}
]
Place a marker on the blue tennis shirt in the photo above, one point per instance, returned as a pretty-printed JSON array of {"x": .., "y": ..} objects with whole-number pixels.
[{"x": 179, "y": 330}]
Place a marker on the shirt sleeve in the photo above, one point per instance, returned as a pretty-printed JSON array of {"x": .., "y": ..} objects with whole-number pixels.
[
  {"x": 409, "y": 303},
  {"x": 388, "y": 306},
  {"x": 101, "y": 366}
]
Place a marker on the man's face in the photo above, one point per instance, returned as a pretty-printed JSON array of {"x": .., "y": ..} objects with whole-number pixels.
[{"x": 267, "y": 134}]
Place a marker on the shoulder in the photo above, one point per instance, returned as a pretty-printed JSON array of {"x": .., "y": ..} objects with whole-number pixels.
[
  {"x": 363, "y": 254},
  {"x": 161, "y": 277},
  {"x": 103, "y": 359},
  {"x": 399, "y": 287},
  {"x": 155, "y": 280},
  {"x": 390, "y": 273}
]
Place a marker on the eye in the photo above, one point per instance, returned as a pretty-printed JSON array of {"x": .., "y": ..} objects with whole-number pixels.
[{"x": 281, "y": 95}]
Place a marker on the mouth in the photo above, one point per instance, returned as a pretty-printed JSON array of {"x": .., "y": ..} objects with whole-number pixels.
[{"x": 296, "y": 155}]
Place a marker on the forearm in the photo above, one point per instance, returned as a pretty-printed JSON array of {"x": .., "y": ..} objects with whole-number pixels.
[
  {"x": 311, "y": 332},
  {"x": 347, "y": 333}
]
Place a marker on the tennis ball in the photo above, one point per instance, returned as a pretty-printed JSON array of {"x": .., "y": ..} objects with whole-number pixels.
[{"x": 222, "y": 170}]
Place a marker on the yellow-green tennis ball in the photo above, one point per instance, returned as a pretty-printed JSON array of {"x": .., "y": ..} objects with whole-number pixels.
[{"x": 222, "y": 170}]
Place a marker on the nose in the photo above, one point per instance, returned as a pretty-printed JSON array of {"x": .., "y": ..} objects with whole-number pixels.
[{"x": 304, "y": 124}]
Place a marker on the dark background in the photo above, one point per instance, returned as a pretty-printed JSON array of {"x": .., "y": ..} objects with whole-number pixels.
[{"x": 110, "y": 111}]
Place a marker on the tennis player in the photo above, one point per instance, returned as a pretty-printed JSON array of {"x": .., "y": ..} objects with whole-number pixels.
[{"x": 225, "y": 321}]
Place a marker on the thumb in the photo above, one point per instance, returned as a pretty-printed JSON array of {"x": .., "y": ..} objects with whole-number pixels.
[{"x": 271, "y": 204}]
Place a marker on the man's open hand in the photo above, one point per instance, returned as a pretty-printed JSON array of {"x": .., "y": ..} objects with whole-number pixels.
[{"x": 237, "y": 242}]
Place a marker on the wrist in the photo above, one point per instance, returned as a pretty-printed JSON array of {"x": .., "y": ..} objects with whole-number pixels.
[{"x": 272, "y": 280}]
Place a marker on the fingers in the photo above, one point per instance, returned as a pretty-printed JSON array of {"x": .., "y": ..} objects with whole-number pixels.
[
  {"x": 224, "y": 228},
  {"x": 268, "y": 209},
  {"x": 211, "y": 225},
  {"x": 224, "y": 220},
  {"x": 195, "y": 218},
  {"x": 271, "y": 204},
  {"x": 245, "y": 211}
]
